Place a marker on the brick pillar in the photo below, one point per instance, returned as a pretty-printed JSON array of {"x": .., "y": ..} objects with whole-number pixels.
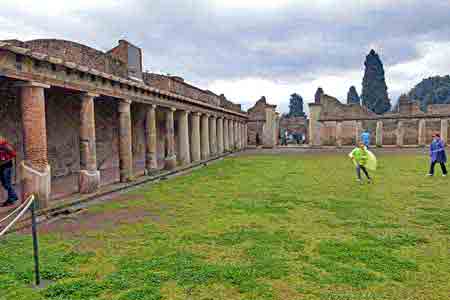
[
  {"x": 195, "y": 137},
  {"x": 125, "y": 141},
  {"x": 315, "y": 111},
  {"x": 213, "y": 135},
  {"x": 339, "y": 134},
  {"x": 379, "y": 133},
  {"x": 220, "y": 139},
  {"x": 232, "y": 136},
  {"x": 35, "y": 167},
  {"x": 226, "y": 135},
  {"x": 358, "y": 131},
  {"x": 400, "y": 133},
  {"x": 422, "y": 132},
  {"x": 171, "y": 158},
  {"x": 89, "y": 178},
  {"x": 205, "y": 136},
  {"x": 184, "y": 155},
  {"x": 151, "y": 162},
  {"x": 444, "y": 130}
]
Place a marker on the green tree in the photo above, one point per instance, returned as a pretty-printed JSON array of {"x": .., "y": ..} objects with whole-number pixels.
[
  {"x": 374, "y": 92},
  {"x": 296, "y": 106}
]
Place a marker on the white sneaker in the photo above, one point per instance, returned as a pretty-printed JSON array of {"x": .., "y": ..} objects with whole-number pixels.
[
  {"x": 429, "y": 174},
  {"x": 444, "y": 175}
]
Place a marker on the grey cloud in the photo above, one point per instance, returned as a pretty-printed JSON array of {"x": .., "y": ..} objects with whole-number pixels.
[{"x": 194, "y": 40}]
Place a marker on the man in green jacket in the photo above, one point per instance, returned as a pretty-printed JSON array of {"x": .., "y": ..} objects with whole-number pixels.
[{"x": 360, "y": 156}]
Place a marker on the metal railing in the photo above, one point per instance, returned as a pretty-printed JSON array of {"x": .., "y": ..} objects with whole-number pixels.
[{"x": 29, "y": 204}]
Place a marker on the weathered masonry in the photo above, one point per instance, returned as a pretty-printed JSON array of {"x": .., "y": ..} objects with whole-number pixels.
[
  {"x": 81, "y": 118},
  {"x": 335, "y": 124}
]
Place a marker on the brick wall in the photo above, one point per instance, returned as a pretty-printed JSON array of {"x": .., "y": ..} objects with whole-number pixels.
[{"x": 79, "y": 54}]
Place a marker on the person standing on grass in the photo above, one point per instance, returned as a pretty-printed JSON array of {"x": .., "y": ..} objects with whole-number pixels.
[
  {"x": 7, "y": 155},
  {"x": 365, "y": 138},
  {"x": 437, "y": 154},
  {"x": 361, "y": 158}
]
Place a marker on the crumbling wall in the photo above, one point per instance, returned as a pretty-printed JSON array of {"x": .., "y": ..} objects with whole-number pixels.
[{"x": 79, "y": 54}]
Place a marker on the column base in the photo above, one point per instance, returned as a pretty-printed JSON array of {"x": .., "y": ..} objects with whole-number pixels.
[
  {"x": 89, "y": 181},
  {"x": 171, "y": 162},
  {"x": 37, "y": 183}
]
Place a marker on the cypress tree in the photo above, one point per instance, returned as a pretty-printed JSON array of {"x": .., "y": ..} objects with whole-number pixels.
[
  {"x": 296, "y": 106},
  {"x": 352, "y": 96},
  {"x": 374, "y": 92}
]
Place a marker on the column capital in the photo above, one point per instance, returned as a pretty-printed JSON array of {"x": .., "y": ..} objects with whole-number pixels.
[
  {"x": 153, "y": 106},
  {"x": 90, "y": 94},
  {"x": 197, "y": 113},
  {"x": 173, "y": 109},
  {"x": 125, "y": 101},
  {"x": 32, "y": 84}
]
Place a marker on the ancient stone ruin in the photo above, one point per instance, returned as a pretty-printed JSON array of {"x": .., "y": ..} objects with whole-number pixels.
[{"x": 81, "y": 118}]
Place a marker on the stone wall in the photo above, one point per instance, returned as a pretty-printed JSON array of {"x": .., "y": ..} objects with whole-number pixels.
[
  {"x": 79, "y": 54},
  {"x": 264, "y": 123},
  {"x": 399, "y": 127},
  {"x": 297, "y": 125},
  {"x": 177, "y": 85}
]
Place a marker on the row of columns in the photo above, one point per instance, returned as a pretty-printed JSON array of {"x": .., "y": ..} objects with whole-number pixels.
[
  {"x": 400, "y": 132},
  {"x": 207, "y": 136}
]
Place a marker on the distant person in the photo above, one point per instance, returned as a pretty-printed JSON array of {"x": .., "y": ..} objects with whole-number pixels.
[
  {"x": 285, "y": 138},
  {"x": 258, "y": 141},
  {"x": 363, "y": 160},
  {"x": 365, "y": 138},
  {"x": 437, "y": 155},
  {"x": 7, "y": 155}
]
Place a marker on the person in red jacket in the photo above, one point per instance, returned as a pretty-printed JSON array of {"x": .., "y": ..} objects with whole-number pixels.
[{"x": 7, "y": 155}]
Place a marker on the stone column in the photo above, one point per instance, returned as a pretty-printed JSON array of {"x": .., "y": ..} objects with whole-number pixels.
[
  {"x": 213, "y": 135},
  {"x": 339, "y": 134},
  {"x": 184, "y": 155},
  {"x": 422, "y": 132},
  {"x": 246, "y": 134},
  {"x": 205, "y": 136},
  {"x": 226, "y": 135},
  {"x": 239, "y": 131},
  {"x": 35, "y": 167},
  {"x": 171, "y": 158},
  {"x": 89, "y": 178},
  {"x": 444, "y": 130},
  {"x": 125, "y": 141},
  {"x": 151, "y": 162},
  {"x": 379, "y": 133},
  {"x": 220, "y": 137},
  {"x": 400, "y": 133},
  {"x": 232, "y": 136},
  {"x": 195, "y": 137}
]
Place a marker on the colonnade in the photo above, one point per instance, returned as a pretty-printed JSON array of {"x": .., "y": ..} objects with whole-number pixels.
[
  {"x": 400, "y": 131},
  {"x": 200, "y": 136}
]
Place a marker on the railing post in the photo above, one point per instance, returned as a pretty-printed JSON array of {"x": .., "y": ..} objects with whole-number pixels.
[{"x": 35, "y": 243}]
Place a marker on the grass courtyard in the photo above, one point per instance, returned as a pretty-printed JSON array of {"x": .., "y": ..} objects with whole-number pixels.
[{"x": 252, "y": 227}]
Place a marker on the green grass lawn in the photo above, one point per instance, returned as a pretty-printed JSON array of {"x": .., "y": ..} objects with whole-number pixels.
[{"x": 257, "y": 227}]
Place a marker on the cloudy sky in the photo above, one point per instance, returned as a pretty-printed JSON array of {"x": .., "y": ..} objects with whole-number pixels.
[{"x": 249, "y": 48}]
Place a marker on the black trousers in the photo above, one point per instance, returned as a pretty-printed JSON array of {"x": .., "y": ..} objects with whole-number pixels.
[
  {"x": 358, "y": 172},
  {"x": 444, "y": 169}
]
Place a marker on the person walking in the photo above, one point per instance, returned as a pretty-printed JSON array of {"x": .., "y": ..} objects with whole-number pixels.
[
  {"x": 437, "y": 155},
  {"x": 7, "y": 155},
  {"x": 365, "y": 138}
]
